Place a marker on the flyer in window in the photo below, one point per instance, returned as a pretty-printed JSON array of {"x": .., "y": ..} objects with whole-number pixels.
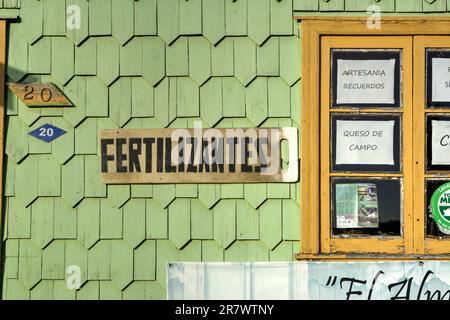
[{"x": 356, "y": 205}]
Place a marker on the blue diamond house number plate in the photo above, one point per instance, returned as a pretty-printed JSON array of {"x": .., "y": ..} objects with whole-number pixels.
[{"x": 47, "y": 132}]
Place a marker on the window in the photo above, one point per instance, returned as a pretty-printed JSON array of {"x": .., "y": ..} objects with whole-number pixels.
[
  {"x": 431, "y": 114},
  {"x": 375, "y": 117}
]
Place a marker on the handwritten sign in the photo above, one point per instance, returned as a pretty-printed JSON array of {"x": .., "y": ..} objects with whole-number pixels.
[
  {"x": 40, "y": 94},
  {"x": 438, "y": 78},
  {"x": 197, "y": 155},
  {"x": 440, "y": 91},
  {"x": 376, "y": 280},
  {"x": 365, "y": 142},
  {"x": 440, "y": 142},
  {"x": 366, "y": 78}
]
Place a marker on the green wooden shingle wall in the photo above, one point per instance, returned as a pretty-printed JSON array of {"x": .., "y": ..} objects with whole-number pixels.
[
  {"x": 148, "y": 64},
  {"x": 9, "y": 9}
]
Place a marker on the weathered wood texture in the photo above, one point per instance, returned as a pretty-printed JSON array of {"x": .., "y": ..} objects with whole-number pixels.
[
  {"x": 39, "y": 94},
  {"x": 197, "y": 156}
]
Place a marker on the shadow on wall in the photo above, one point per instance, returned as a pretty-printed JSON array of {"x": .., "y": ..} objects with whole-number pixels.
[{"x": 4, "y": 137}]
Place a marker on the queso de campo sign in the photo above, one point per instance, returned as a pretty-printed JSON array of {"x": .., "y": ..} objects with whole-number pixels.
[{"x": 197, "y": 155}]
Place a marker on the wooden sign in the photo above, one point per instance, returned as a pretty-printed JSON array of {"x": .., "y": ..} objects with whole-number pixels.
[
  {"x": 366, "y": 78},
  {"x": 40, "y": 94},
  {"x": 197, "y": 155}
]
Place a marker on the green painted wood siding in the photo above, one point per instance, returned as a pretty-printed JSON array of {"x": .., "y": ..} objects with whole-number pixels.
[
  {"x": 10, "y": 9},
  {"x": 148, "y": 64}
]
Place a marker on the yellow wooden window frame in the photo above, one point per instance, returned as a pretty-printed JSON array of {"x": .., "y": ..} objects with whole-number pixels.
[
  {"x": 391, "y": 245},
  {"x": 317, "y": 32},
  {"x": 421, "y": 43}
]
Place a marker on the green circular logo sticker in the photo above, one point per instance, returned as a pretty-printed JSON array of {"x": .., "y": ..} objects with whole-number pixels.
[{"x": 440, "y": 206}]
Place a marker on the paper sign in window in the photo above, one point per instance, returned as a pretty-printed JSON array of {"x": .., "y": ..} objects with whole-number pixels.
[
  {"x": 365, "y": 81},
  {"x": 364, "y": 142},
  {"x": 366, "y": 78},
  {"x": 438, "y": 78},
  {"x": 440, "y": 90},
  {"x": 440, "y": 142},
  {"x": 356, "y": 205}
]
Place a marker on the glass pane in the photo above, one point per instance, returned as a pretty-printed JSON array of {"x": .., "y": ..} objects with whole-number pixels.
[
  {"x": 438, "y": 142},
  {"x": 366, "y": 207},
  {"x": 366, "y": 143},
  {"x": 433, "y": 230},
  {"x": 365, "y": 78},
  {"x": 437, "y": 75}
]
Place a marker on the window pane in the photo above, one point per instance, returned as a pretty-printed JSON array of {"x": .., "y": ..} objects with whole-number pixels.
[
  {"x": 365, "y": 78},
  {"x": 438, "y": 142},
  {"x": 438, "y": 82},
  {"x": 366, "y": 143},
  {"x": 433, "y": 229},
  {"x": 366, "y": 207}
]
